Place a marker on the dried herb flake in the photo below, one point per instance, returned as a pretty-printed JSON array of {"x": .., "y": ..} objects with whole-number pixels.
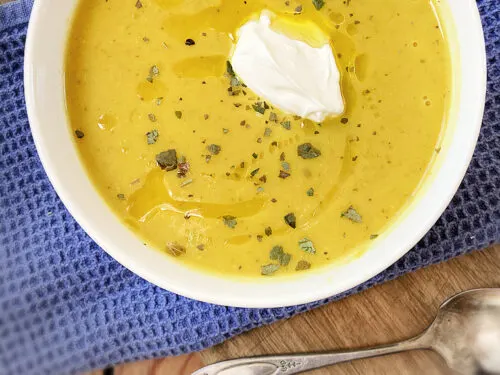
[
  {"x": 214, "y": 149},
  {"x": 291, "y": 220},
  {"x": 276, "y": 253},
  {"x": 286, "y": 124},
  {"x": 152, "y": 136},
  {"x": 306, "y": 245},
  {"x": 285, "y": 259},
  {"x": 259, "y": 107},
  {"x": 230, "y": 221},
  {"x": 352, "y": 215},
  {"x": 302, "y": 265},
  {"x": 308, "y": 151},
  {"x": 284, "y": 175},
  {"x": 254, "y": 172},
  {"x": 318, "y": 4},
  {"x": 153, "y": 72},
  {"x": 269, "y": 269},
  {"x": 167, "y": 160}
]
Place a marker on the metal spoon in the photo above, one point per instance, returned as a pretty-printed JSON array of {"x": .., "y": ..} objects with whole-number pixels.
[{"x": 466, "y": 333}]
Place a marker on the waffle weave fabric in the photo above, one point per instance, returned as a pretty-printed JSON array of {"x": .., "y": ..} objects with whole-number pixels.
[{"x": 67, "y": 307}]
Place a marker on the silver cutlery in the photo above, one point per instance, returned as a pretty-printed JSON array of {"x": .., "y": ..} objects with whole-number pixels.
[{"x": 465, "y": 332}]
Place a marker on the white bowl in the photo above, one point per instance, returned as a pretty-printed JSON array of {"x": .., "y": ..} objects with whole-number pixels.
[{"x": 45, "y": 99}]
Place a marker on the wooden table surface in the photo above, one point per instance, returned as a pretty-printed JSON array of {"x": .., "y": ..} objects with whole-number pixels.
[{"x": 392, "y": 311}]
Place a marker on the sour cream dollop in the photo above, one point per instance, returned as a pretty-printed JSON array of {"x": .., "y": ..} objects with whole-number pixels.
[{"x": 290, "y": 74}]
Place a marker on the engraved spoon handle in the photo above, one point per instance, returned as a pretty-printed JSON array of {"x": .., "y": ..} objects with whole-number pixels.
[{"x": 295, "y": 364}]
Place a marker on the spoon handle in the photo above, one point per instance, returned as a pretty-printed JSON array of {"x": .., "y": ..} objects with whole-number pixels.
[{"x": 298, "y": 363}]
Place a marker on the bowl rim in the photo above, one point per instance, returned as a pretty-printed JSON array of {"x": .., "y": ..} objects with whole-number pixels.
[{"x": 255, "y": 294}]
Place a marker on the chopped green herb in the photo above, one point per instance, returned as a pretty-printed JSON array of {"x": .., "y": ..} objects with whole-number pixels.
[
  {"x": 373, "y": 236},
  {"x": 225, "y": 131},
  {"x": 310, "y": 192},
  {"x": 260, "y": 107},
  {"x": 291, "y": 220},
  {"x": 302, "y": 265},
  {"x": 268, "y": 231},
  {"x": 284, "y": 175},
  {"x": 214, "y": 149},
  {"x": 153, "y": 72},
  {"x": 286, "y": 124},
  {"x": 260, "y": 189},
  {"x": 158, "y": 100},
  {"x": 298, "y": 9},
  {"x": 167, "y": 160},
  {"x": 273, "y": 117},
  {"x": 152, "y": 136},
  {"x": 276, "y": 253},
  {"x": 138, "y": 4},
  {"x": 306, "y": 245},
  {"x": 230, "y": 221},
  {"x": 263, "y": 179},
  {"x": 308, "y": 151},
  {"x": 229, "y": 69},
  {"x": 254, "y": 172},
  {"x": 285, "y": 166},
  {"x": 235, "y": 82},
  {"x": 174, "y": 249},
  {"x": 178, "y": 114},
  {"x": 189, "y": 42},
  {"x": 121, "y": 196},
  {"x": 267, "y": 132},
  {"x": 318, "y": 4},
  {"x": 269, "y": 269},
  {"x": 255, "y": 156},
  {"x": 79, "y": 134},
  {"x": 352, "y": 215},
  {"x": 285, "y": 259},
  {"x": 282, "y": 156},
  {"x": 151, "y": 117},
  {"x": 344, "y": 120}
]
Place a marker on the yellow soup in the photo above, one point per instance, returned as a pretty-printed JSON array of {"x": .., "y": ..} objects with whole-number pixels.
[{"x": 205, "y": 171}]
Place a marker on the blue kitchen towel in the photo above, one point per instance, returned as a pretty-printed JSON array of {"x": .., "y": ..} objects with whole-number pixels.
[{"x": 67, "y": 307}]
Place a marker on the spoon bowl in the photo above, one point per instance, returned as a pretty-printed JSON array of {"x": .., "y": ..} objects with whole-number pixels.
[{"x": 466, "y": 332}]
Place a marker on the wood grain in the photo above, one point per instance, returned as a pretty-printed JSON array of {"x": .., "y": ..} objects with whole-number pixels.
[{"x": 388, "y": 312}]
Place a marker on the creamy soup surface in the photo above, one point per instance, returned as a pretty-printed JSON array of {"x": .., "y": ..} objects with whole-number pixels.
[{"x": 207, "y": 172}]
